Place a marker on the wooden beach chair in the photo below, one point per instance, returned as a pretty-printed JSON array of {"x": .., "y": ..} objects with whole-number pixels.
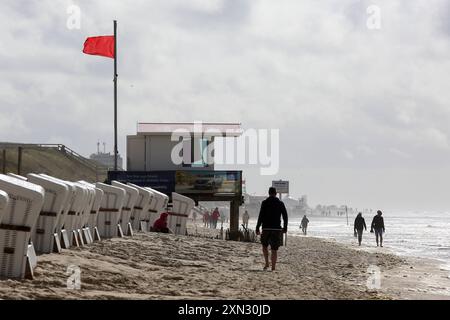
[
  {"x": 83, "y": 228},
  {"x": 17, "y": 220},
  {"x": 181, "y": 208},
  {"x": 157, "y": 206},
  {"x": 146, "y": 215},
  {"x": 141, "y": 206},
  {"x": 84, "y": 200},
  {"x": 93, "y": 215},
  {"x": 63, "y": 217},
  {"x": 110, "y": 210},
  {"x": 128, "y": 205},
  {"x": 17, "y": 176},
  {"x": 74, "y": 215},
  {"x": 3, "y": 202},
  {"x": 44, "y": 236}
]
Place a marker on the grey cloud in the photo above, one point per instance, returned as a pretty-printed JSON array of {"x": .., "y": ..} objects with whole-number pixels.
[{"x": 310, "y": 68}]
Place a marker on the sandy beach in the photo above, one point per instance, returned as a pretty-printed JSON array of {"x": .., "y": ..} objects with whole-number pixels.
[{"x": 162, "y": 266}]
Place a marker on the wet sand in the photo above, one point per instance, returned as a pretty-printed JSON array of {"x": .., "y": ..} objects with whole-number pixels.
[{"x": 162, "y": 266}]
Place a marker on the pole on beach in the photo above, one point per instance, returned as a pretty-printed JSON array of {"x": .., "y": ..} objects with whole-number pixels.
[
  {"x": 19, "y": 161},
  {"x": 346, "y": 213},
  {"x": 4, "y": 161},
  {"x": 115, "y": 95}
]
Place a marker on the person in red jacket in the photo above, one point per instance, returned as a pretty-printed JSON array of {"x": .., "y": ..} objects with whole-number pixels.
[
  {"x": 215, "y": 216},
  {"x": 160, "y": 225}
]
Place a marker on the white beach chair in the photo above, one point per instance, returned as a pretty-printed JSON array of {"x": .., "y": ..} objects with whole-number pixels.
[
  {"x": 3, "y": 202},
  {"x": 44, "y": 236},
  {"x": 81, "y": 210},
  {"x": 82, "y": 228},
  {"x": 128, "y": 205},
  {"x": 140, "y": 210},
  {"x": 63, "y": 217},
  {"x": 4, "y": 199},
  {"x": 157, "y": 206},
  {"x": 17, "y": 176},
  {"x": 79, "y": 207},
  {"x": 86, "y": 208},
  {"x": 92, "y": 220},
  {"x": 70, "y": 231},
  {"x": 144, "y": 221},
  {"x": 110, "y": 210},
  {"x": 31, "y": 251},
  {"x": 181, "y": 208},
  {"x": 17, "y": 221}
]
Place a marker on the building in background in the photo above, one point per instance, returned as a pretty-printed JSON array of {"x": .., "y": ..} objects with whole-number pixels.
[
  {"x": 106, "y": 159},
  {"x": 179, "y": 158}
]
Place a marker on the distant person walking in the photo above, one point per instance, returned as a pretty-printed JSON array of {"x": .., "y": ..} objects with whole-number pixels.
[
  {"x": 245, "y": 219},
  {"x": 304, "y": 224},
  {"x": 269, "y": 218},
  {"x": 378, "y": 226},
  {"x": 359, "y": 226},
  {"x": 206, "y": 219},
  {"x": 215, "y": 217}
]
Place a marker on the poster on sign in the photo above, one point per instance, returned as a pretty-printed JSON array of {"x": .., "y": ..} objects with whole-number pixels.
[{"x": 282, "y": 186}]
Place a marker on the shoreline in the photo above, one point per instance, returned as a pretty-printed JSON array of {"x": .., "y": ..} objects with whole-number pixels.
[
  {"x": 414, "y": 278},
  {"x": 162, "y": 266}
]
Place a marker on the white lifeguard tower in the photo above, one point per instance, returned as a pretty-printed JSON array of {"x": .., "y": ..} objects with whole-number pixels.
[{"x": 178, "y": 158}]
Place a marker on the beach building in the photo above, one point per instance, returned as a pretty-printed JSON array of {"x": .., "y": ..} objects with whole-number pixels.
[
  {"x": 154, "y": 145},
  {"x": 179, "y": 157},
  {"x": 106, "y": 158}
]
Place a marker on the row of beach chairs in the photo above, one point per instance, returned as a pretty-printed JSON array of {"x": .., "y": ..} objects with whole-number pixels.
[{"x": 41, "y": 214}]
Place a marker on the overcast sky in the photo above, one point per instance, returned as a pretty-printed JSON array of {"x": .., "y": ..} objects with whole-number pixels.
[{"x": 363, "y": 113}]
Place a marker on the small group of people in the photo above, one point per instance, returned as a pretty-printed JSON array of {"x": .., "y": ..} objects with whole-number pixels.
[
  {"x": 377, "y": 226},
  {"x": 210, "y": 218}
]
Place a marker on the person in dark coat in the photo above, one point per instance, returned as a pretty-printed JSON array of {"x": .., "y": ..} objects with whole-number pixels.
[
  {"x": 304, "y": 224},
  {"x": 359, "y": 226},
  {"x": 272, "y": 209},
  {"x": 378, "y": 226}
]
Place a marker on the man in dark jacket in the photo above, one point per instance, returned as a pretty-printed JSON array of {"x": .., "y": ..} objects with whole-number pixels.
[
  {"x": 269, "y": 218},
  {"x": 378, "y": 226},
  {"x": 304, "y": 224},
  {"x": 359, "y": 226}
]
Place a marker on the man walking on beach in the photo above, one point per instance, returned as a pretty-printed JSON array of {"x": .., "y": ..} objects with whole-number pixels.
[
  {"x": 304, "y": 224},
  {"x": 269, "y": 218},
  {"x": 378, "y": 226}
]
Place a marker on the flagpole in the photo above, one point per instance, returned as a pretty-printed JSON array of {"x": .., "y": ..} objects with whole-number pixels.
[{"x": 115, "y": 95}]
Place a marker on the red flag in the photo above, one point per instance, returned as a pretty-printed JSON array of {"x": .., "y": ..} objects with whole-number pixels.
[{"x": 100, "y": 46}]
